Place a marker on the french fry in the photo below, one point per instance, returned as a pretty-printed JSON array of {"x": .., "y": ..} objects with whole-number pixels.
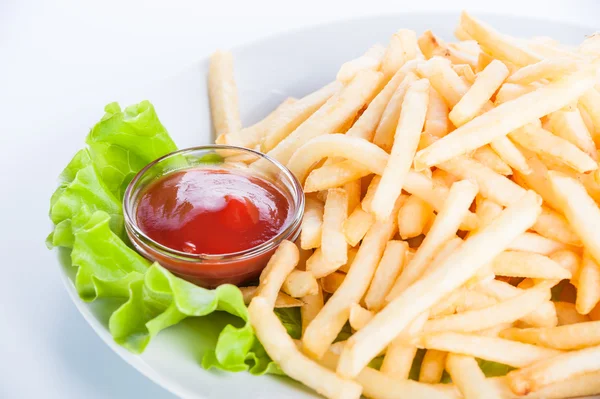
[
  {"x": 312, "y": 224},
  {"x": 559, "y": 368},
  {"x": 535, "y": 243},
  {"x": 549, "y": 69},
  {"x": 569, "y": 125},
  {"x": 390, "y": 265},
  {"x": 442, "y": 178},
  {"x": 353, "y": 190},
  {"x": 299, "y": 284},
  {"x": 332, "y": 282},
  {"x": 510, "y": 154},
  {"x": 422, "y": 186},
  {"x": 591, "y": 103},
  {"x": 588, "y": 285},
  {"x": 437, "y": 123},
  {"x": 527, "y": 264},
  {"x": 469, "y": 378},
  {"x": 505, "y": 118},
  {"x": 368, "y": 197},
  {"x": 580, "y": 210},
  {"x": 568, "y": 260},
  {"x": 410, "y": 126},
  {"x": 554, "y": 226},
  {"x": 282, "y": 301},
  {"x": 496, "y": 44},
  {"x": 281, "y": 348},
  {"x": 357, "y": 225},
  {"x": 288, "y": 119},
  {"x": 337, "y": 145},
  {"x": 377, "y": 384},
  {"x": 587, "y": 120},
  {"x": 510, "y": 91},
  {"x": 351, "y": 255},
  {"x": 565, "y": 337},
  {"x": 538, "y": 181},
  {"x": 252, "y": 136},
  {"x": 486, "y": 156},
  {"x": 433, "y": 366},
  {"x": 413, "y": 217},
  {"x": 567, "y": 314},
  {"x": 402, "y": 48},
  {"x": 577, "y": 386},
  {"x": 311, "y": 306},
  {"x": 281, "y": 264},
  {"x": 331, "y": 116},
  {"x": 595, "y": 313},
  {"x": 466, "y": 72},
  {"x": 444, "y": 228},
  {"x": 432, "y": 46},
  {"x": 460, "y": 266},
  {"x": 384, "y": 133},
  {"x": 400, "y": 354},
  {"x": 222, "y": 93},
  {"x": 492, "y": 185},
  {"x": 366, "y": 124},
  {"x": 542, "y": 141},
  {"x": 321, "y": 332},
  {"x": 478, "y": 95},
  {"x": 484, "y": 318},
  {"x": 318, "y": 265},
  {"x": 371, "y": 60},
  {"x": 359, "y": 316},
  {"x": 333, "y": 242},
  {"x": 444, "y": 80},
  {"x": 334, "y": 175},
  {"x": 515, "y": 354}
]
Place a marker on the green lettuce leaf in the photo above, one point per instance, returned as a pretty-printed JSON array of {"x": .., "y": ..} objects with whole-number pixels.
[
  {"x": 87, "y": 212},
  {"x": 123, "y": 142}
]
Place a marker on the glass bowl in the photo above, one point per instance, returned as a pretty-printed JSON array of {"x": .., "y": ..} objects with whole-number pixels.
[{"x": 209, "y": 270}]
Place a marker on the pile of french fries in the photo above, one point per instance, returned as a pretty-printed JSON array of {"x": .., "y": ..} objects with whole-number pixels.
[{"x": 452, "y": 190}]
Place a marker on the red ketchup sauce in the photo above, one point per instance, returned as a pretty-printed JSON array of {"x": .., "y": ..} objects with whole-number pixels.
[{"x": 211, "y": 211}]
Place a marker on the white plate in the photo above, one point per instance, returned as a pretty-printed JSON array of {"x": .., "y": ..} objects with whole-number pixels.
[{"x": 267, "y": 71}]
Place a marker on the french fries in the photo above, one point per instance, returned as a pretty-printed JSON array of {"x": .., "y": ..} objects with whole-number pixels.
[
  {"x": 333, "y": 241},
  {"x": 559, "y": 368},
  {"x": 443, "y": 229},
  {"x": 528, "y": 264},
  {"x": 413, "y": 217},
  {"x": 473, "y": 101},
  {"x": 406, "y": 139},
  {"x": 299, "y": 284},
  {"x": 474, "y": 253},
  {"x": 392, "y": 261},
  {"x": 566, "y": 337},
  {"x": 223, "y": 95},
  {"x": 312, "y": 224},
  {"x": 505, "y": 118},
  {"x": 357, "y": 225},
  {"x": 452, "y": 209},
  {"x": 321, "y": 332},
  {"x": 289, "y": 118},
  {"x": 331, "y": 116},
  {"x": 337, "y": 145},
  {"x": 469, "y": 378},
  {"x": 499, "y": 350}
]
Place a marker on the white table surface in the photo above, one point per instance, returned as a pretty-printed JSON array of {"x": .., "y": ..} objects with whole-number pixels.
[{"x": 60, "y": 62}]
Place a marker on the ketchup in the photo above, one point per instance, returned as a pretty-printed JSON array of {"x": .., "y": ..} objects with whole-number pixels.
[{"x": 211, "y": 211}]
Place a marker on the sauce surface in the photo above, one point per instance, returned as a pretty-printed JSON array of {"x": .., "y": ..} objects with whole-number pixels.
[{"x": 211, "y": 211}]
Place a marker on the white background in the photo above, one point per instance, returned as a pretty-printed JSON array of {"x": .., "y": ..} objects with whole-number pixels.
[{"x": 60, "y": 62}]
